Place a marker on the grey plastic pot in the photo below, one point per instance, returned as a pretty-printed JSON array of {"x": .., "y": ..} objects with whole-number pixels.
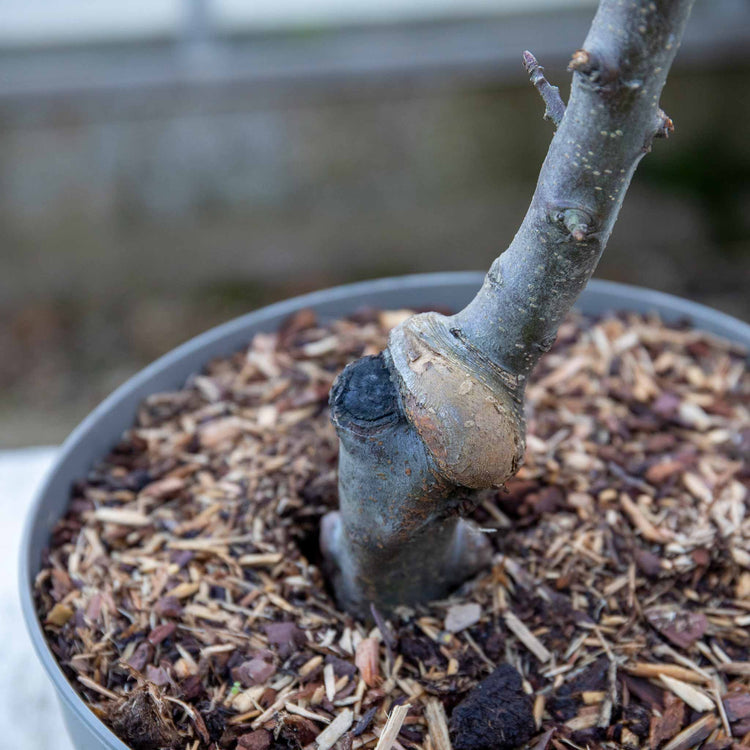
[{"x": 93, "y": 438}]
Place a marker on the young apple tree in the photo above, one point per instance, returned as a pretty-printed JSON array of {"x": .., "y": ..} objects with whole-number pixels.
[{"x": 438, "y": 416}]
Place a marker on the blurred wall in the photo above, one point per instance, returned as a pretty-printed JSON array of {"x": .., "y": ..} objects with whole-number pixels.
[{"x": 133, "y": 218}]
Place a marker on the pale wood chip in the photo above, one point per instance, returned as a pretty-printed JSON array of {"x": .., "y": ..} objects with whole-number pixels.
[
  {"x": 392, "y": 727},
  {"x": 462, "y": 616},
  {"x": 184, "y": 590},
  {"x": 540, "y": 703},
  {"x": 220, "y": 431},
  {"x": 121, "y": 516},
  {"x": 163, "y": 487},
  {"x": 437, "y": 725},
  {"x": 694, "y": 734},
  {"x": 527, "y": 637},
  {"x": 587, "y": 718},
  {"x": 694, "y": 698},
  {"x": 593, "y": 697},
  {"x": 643, "y": 669},
  {"x": 247, "y": 700},
  {"x": 293, "y": 708},
  {"x": 329, "y": 680},
  {"x": 281, "y": 603},
  {"x": 281, "y": 699},
  {"x": 260, "y": 560},
  {"x": 720, "y": 705},
  {"x": 333, "y": 732},
  {"x": 207, "y": 613},
  {"x": 735, "y": 667},
  {"x": 199, "y": 545},
  {"x": 309, "y": 666},
  {"x": 97, "y": 688},
  {"x": 647, "y": 529}
]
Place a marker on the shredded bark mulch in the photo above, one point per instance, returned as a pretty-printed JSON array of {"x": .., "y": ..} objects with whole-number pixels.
[{"x": 182, "y": 594}]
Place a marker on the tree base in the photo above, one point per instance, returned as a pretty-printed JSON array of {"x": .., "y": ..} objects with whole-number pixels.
[{"x": 424, "y": 570}]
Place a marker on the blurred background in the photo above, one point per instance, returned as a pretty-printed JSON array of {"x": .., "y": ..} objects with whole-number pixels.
[{"x": 168, "y": 164}]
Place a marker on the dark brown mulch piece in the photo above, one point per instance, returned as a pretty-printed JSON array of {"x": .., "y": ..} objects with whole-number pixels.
[
  {"x": 669, "y": 724},
  {"x": 495, "y": 715},
  {"x": 183, "y": 586},
  {"x": 737, "y": 706},
  {"x": 144, "y": 720},
  {"x": 296, "y": 732},
  {"x": 682, "y": 628}
]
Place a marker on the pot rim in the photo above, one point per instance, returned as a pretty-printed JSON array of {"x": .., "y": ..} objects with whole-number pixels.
[{"x": 599, "y": 296}]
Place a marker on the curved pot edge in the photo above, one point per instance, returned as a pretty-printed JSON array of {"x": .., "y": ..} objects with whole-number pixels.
[{"x": 599, "y": 296}]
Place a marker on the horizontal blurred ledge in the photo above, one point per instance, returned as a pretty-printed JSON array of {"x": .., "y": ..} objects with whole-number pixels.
[
  {"x": 245, "y": 44},
  {"x": 47, "y": 23}
]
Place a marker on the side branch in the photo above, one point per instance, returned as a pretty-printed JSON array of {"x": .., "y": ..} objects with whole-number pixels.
[{"x": 555, "y": 107}]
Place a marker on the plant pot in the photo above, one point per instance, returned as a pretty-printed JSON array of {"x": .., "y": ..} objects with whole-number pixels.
[{"x": 93, "y": 438}]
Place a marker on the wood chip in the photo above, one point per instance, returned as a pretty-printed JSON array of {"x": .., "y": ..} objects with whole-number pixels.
[
  {"x": 260, "y": 560},
  {"x": 329, "y": 680},
  {"x": 293, "y": 708},
  {"x": 693, "y": 735},
  {"x": 527, "y": 637},
  {"x": 694, "y": 698},
  {"x": 643, "y": 669},
  {"x": 437, "y": 725},
  {"x": 59, "y": 615},
  {"x": 649, "y": 531},
  {"x": 680, "y": 627},
  {"x": 121, "y": 516},
  {"x": 333, "y": 732},
  {"x": 392, "y": 727},
  {"x": 367, "y": 661},
  {"x": 735, "y": 668},
  {"x": 184, "y": 590},
  {"x": 96, "y": 687},
  {"x": 462, "y": 616}
]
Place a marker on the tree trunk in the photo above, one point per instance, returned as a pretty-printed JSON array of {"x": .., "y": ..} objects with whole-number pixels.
[{"x": 438, "y": 415}]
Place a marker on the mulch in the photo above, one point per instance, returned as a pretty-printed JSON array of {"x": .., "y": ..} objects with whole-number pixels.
[{"x": 182, "y": 593}]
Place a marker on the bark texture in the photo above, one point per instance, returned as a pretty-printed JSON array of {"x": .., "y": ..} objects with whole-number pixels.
[{"x": 439, "y": 414}]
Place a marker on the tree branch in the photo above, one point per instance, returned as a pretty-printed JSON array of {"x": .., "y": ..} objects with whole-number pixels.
[
  {"x": 611, "y": 119},
  {"x": 439, "y": 414},
  {"x": 554, "y": 105}
]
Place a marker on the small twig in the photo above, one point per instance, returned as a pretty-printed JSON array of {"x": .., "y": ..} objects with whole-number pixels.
[
  {"x": 555, "y": 107},
  {"x": 720, "y": 706},
  {"x": 97, "y": 688},
  {"x": 478, "y": 649}
]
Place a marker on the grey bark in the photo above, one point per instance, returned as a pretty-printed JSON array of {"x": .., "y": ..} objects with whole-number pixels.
[{"x": 439, "y": 414}]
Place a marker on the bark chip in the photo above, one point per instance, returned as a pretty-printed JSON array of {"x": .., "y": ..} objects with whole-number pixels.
[{"x": 496, "y": 715}]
